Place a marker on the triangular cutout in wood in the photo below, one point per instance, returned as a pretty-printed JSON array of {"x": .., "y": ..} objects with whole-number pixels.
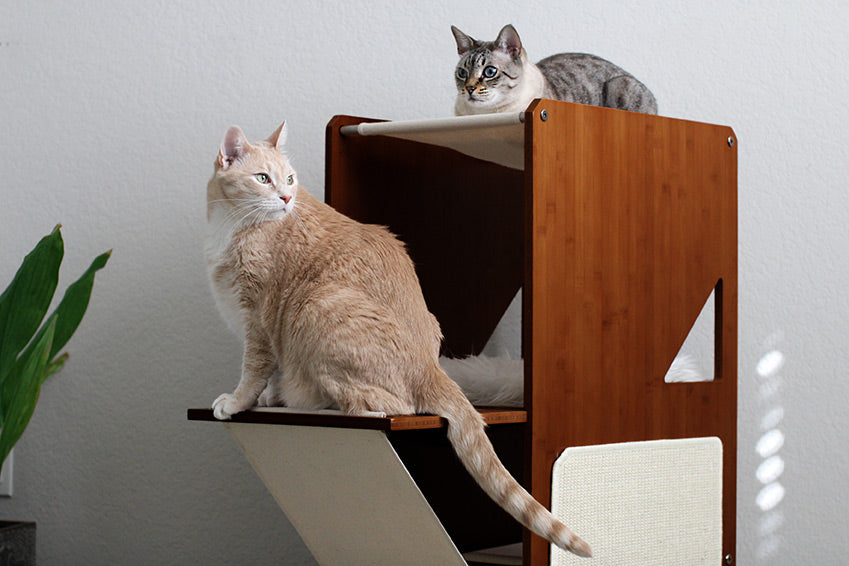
[{"x": 695, "y": 360}]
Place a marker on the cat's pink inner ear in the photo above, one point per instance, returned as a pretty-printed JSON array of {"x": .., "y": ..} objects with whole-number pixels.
[
  {"x": 278, "y": 138},
  {"x": 508, "y": 40},
  {"x": 233, "y": 147}
]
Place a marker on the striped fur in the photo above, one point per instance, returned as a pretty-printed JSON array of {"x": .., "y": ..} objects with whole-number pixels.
[{"x": 332, "y": 316}]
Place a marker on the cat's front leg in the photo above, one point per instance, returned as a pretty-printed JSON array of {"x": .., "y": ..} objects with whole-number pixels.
[{"x": 258, "y": 365}]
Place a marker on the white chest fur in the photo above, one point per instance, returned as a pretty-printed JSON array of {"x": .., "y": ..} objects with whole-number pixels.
[
  {"x": 531, "y": 86},
  {"x": 219, "y": 236}
]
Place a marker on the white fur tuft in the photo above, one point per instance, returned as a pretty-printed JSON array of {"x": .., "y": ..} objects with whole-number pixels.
[
  {"x": 488, "y": 381},
  {"x": 683, "y": 369}
]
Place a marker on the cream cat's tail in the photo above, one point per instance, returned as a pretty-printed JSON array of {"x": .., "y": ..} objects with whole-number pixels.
[{"x": 473, "y": 448}]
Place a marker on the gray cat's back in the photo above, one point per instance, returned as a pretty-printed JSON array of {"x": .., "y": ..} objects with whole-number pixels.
[{"x": 589, "y": 79}]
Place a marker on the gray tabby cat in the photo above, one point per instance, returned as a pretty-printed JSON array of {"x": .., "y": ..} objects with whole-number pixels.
[{"x": 497, "y": 76}]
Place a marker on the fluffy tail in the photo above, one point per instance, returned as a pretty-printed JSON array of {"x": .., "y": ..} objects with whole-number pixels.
[{"x": 473, "y": 448}]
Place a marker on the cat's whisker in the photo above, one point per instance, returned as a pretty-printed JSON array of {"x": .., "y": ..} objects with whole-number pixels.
[
  {"x": 249, "y": 216},
  {"x": 300, "y": 204},
  {"x": 300, "y": 207},
  {"x": 296, "y": 215},
  {"x": 239, "y": 215}
]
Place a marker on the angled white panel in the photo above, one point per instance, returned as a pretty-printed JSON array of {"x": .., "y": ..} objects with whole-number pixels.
[{"x": 348, "y": 495}]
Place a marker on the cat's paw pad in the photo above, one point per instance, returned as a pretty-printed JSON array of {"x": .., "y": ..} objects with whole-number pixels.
[{"x": 226, "y": 406}]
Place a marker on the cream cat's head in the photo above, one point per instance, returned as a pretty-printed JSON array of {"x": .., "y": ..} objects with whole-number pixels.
[
  {"x": 252, "y": 183},
  {"x": 489, "y": 74}
]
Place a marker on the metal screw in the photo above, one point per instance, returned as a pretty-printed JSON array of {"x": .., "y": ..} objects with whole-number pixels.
[
  {"x": 731, "y": 142},
  {"x": 543, "y": 115},
  {"x": 728, "y": 558}
]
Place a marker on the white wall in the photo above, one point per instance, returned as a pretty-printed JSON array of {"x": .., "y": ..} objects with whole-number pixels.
[{"x": 111, "y": 117}]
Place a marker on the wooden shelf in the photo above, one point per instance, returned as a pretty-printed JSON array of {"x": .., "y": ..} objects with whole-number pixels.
[{"x": 491, "y": 415}]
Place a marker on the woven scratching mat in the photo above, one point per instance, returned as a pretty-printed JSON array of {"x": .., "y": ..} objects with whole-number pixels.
[{"x": 655, "y": 503}]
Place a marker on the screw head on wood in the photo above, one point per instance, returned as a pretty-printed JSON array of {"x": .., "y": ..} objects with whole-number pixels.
[
  {"x": 731, "y": 142},
  {"x": 543, "y": 115},
  {"x": 728, "y": 558}
]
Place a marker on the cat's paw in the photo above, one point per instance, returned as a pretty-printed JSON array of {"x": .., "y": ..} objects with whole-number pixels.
[
  {"x": 264, "y": 399},
  {"x": 226, "y": 406}
]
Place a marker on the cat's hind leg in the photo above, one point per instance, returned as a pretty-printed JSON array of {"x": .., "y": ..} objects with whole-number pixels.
[
  {"x": 363, "y": 399},
  {"x": 627, "y": 93},
  {"x": 272, "y": 395}
]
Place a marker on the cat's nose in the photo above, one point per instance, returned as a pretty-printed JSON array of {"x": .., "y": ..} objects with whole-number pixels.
[
  {"x": 286, "y": 198},
  {"x": 470, "y": 88}
]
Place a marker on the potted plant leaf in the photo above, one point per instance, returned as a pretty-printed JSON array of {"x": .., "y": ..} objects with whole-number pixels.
[{"x": 29, "y": 354}]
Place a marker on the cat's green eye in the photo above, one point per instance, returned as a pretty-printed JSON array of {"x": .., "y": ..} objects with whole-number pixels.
[
  {"x": 462, "y": 73},
  {"x": 290, "y": 180},
  {"x": 263, "y": 178},
  {"x": 490, "y": 71}
]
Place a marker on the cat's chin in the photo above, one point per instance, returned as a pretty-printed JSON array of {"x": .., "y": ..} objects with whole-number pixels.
[
  {"x": 279, "y": 212},
  {"x": 466, "y": 105}
]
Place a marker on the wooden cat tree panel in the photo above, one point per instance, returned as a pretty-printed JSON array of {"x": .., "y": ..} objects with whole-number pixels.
[{"x": 617, "y": 227}]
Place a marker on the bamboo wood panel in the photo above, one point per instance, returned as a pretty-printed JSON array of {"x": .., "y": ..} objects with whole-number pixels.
[{"x": 631, "y": 223}]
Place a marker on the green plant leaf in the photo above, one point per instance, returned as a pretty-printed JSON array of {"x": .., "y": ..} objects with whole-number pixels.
[
  {"x": 74, "y": 303},
  {"x": 22, "y": 307},
  {"x": 25, "y": 301},
  {"x": 55, "y": 365},
  {"x": 65, "y": 320},
  {"x": 21, "y": 388}
]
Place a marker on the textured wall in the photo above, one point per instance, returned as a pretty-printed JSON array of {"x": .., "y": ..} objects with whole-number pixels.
[{"x": 111, "y": 117}]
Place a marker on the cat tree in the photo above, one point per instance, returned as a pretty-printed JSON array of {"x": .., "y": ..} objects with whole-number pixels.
[{"x": 617, "y": 227}]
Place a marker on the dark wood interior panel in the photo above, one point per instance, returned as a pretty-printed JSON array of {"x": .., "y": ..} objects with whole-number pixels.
[
  {"x": 469, "y": 516},
  {"x": 461, "y": 219}
]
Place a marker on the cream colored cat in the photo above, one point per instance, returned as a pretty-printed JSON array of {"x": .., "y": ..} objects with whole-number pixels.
[{"x": 332, "y": 315}]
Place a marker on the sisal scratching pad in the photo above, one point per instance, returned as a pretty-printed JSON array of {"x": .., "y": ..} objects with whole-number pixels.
[{"x": 656, "y": 503}]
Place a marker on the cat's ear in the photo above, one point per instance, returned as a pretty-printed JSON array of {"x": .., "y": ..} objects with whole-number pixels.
[
  {"x": 233, "y": 147},
  {"x": 278, "y": 138},
  {"x": 464, "y": 42},
  {"x": 508, "y": 40}
]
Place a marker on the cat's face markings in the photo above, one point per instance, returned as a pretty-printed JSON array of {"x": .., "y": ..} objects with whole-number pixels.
[
  {"x": 482, "y": 73},
  {"x": 256, "y": 179},
  {"x": 275, "y": 183},
  {"x": 487, "y": 69},
  {"x": 475, "y": 74}
]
